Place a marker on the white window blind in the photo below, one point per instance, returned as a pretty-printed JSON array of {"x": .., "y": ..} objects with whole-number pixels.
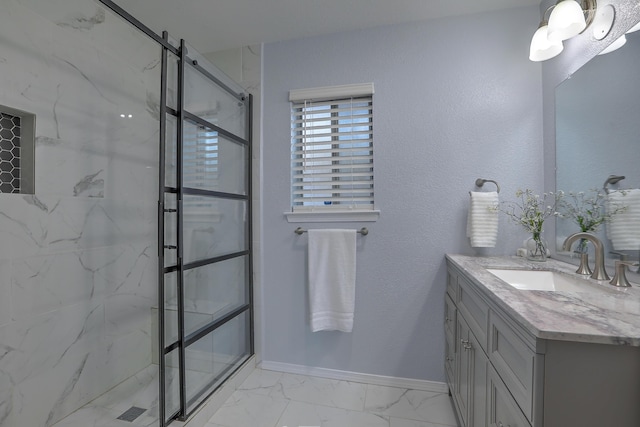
[{"x": 332, "y": 153}]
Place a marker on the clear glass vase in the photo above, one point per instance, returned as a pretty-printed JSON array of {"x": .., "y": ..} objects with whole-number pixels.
[
  {"x": 582, "y": 248},
  {"x": 536, "y": 248}
]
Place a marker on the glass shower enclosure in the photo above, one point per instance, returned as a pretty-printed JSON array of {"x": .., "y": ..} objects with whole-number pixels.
[{"x": 205, "y": 314}]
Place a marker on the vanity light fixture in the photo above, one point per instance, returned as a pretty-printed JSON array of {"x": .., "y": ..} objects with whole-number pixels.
[
  {"x": 569, "y": 18},
  {"x": 541, "y": 47}
]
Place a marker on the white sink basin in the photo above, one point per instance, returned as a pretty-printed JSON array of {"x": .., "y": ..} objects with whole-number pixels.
[{"x": 543, "y": 280}]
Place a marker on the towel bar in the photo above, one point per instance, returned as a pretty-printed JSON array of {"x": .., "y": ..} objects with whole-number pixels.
[
  {"x": 480, "y": 182},
  {"x": 364, "y": 231}
]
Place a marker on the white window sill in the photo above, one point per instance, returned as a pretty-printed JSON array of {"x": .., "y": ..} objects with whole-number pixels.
[{"x": 333, "y": 216}]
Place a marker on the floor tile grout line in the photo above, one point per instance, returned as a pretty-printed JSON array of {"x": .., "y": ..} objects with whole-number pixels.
[{"x": 282, "y": 414}]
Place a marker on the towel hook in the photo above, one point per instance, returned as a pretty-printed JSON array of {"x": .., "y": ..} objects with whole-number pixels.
[
  {"x": 613, "y": 179},
  {"x": 480, "y": 182}
]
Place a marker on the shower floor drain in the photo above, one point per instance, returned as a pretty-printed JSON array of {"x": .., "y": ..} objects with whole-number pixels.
[{"x": 131, "y": 414}]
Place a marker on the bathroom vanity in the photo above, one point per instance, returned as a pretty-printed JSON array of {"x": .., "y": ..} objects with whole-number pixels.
[{"x": 539, "y": 358}]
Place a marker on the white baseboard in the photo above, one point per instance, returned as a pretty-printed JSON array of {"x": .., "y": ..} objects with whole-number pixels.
[{"x": 334, "y": 374}]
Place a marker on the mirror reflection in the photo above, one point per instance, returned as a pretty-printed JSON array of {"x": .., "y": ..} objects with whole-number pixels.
[{"x": 598, "y": 142}]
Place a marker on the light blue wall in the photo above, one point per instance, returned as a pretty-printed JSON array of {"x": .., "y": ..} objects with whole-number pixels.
[{"x": 456, "y": 99}]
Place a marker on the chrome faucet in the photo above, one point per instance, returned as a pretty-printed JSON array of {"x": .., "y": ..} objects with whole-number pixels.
[{"x": 599, "y": 272}]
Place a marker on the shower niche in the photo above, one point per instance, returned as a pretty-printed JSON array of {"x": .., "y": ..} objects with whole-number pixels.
[{"x": 17, "y": 147}]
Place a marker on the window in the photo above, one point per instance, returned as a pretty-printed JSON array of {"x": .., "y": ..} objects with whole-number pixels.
[{"x": 332, "y": 152}]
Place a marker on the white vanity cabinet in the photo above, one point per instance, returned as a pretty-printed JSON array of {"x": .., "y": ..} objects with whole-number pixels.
[{"x": 502, "y": 375}]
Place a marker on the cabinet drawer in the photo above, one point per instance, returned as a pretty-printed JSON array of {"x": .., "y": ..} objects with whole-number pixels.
[
  {"x": 474, "y": 309},
  {"x": 514, "y": 361},
  {"x": 502, "y": 409}
]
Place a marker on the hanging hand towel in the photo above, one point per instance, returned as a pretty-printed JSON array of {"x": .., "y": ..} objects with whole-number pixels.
[
  {"x": 624, "y": 227},
  {"x": 332, "y": 279},
  {"x": 482, "y": 219}
]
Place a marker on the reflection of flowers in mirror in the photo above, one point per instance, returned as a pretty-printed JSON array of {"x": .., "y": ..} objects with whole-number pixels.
[{"x": 589, "y": 211}]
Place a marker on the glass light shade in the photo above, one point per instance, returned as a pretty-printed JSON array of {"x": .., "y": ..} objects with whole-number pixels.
[
  {"x": 541, "y": 48},
  {"x": 615, "y": 45},
  {"x": 566, "y": 21}
]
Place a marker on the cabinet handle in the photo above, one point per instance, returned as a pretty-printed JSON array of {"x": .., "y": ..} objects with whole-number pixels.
[
  {"x": 465, "y": 344},
  {"x": 447, "y": 319},
  {"x": 502, "y": 425},
  {"x": 468, "y": 346},
  {"x": 450, "y": 359}
]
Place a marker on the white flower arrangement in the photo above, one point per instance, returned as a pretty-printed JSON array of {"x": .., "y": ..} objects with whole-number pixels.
[{"x": 532, "y": 209}]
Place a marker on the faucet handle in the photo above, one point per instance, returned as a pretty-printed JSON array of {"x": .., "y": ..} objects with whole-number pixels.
[{"x": 620, "y": 278}]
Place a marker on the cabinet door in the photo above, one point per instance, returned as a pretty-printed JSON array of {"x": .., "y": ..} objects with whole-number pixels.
[
  {"x": 514, "y": 361},
  {"x": 471, "y": 377},
  {"x": 503, "y": 411},
  {"x": 478, "y": 385},
  {"x": 450, "y": 341},
  {"x": 463, "y": 371}
]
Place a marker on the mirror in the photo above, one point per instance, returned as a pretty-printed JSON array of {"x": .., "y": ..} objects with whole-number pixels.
[{"x": 598, "y": 135}]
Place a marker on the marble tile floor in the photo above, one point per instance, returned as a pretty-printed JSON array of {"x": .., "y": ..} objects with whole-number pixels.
[{"x": 276, "y": 399}]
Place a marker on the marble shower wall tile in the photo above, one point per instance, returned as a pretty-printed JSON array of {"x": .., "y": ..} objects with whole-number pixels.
[
  {"x": 5, "y": 293},
  {"x": 78, "y": 262},
  {"x": 47, "y": 360},
  {"x": 78, "y": 101}
]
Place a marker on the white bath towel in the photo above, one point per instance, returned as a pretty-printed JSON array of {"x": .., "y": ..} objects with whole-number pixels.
[
  {"x": 624, "y": 228},
  {"x": 482, "y": 219},
  {"x": 332, "y": 279}
]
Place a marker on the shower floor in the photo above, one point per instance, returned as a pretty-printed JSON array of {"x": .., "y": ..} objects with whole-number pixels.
[
  {"x": 133, "y": 403},
  {"x": 140, "y": 391}
]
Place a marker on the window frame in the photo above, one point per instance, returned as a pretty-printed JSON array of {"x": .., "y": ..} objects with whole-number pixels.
[{"x": 341, "y": 212}]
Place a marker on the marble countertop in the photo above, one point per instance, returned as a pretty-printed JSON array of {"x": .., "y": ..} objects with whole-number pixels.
[{"x": 611, "y": 316}]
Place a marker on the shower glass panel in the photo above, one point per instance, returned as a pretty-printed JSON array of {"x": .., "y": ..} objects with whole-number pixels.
[
  {"x": 213, "y": 291},
  {"x": 208, "y": 101},
  {"x": 78, "y": 262},
  {"x": 213, "y": 227},
  {"x": 173, "y": 63},
  {"x": 210, "y": 359},
  {"x": 172, "y": 384},
  {"x": 170, "y": 163},
  {"x": 212, "y": 161}
]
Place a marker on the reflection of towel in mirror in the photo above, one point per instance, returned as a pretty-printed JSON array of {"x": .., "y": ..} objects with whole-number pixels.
[
  {"x": 482, "y": 219},
  {"x": 624, "y": 227}
]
